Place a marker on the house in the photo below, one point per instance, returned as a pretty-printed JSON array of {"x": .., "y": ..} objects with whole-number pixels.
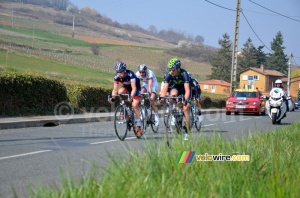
[
  {"x": 295, "y": 86},
  {"x": 215, "y": 86},
  {"x": 260, "y": 78}
]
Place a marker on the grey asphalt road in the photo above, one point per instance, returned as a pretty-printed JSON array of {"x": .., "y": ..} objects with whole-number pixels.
[{"x": 30, "y": 157}]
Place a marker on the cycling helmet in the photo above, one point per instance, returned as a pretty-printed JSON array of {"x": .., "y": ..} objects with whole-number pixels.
[
  {"x": 278, "y": 81},
  {"x": 174, "y": 63},
  {"x": 143, "y": 68},
  {"x": 120, "y": 67}
]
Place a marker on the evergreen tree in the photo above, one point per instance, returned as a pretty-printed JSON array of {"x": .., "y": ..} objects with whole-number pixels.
[
  {"x": 221, "y": 61},
  {"x": 277, "y": 60},
  {"x": 247, "y": 56}
]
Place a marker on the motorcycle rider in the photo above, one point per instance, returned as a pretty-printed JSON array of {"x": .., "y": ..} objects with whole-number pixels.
[{"x": 278, "y": 84}]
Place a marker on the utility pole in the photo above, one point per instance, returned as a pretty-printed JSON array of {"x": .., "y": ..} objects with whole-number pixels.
[
  {"x": 235, "y": 46},
  {"x": 73, "y": 26},
  {"x": 289, "y": 75}
]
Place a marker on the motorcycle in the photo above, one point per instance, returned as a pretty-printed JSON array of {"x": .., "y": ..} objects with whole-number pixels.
[{"x": 276, "y": 105}]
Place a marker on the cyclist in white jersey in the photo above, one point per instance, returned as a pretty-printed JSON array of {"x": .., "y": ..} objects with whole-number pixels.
[{"x": 150, "y": 85}]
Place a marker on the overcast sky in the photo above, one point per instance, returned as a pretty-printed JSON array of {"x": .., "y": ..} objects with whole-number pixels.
[{"x": 211, "y": 19}]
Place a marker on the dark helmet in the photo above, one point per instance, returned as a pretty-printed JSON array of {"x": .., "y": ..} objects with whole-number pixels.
[
  {"x": 174, "y": 63},
  {"x": 120, "y": 67},
  {"x": 142, "y": 67}
]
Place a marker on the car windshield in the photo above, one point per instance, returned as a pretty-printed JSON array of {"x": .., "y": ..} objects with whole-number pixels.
[{"x": 244, "y": 94}]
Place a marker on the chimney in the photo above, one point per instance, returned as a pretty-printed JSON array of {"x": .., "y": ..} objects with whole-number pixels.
[{"x": 262, "y": 67}]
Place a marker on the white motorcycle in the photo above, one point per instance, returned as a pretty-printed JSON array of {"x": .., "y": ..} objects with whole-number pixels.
[{"x": 276, "y": 105}]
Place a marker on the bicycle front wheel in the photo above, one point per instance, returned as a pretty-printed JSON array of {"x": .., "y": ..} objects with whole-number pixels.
[
  {"x": 121, "y": 122},
  {"x": 151, "y": 120}
]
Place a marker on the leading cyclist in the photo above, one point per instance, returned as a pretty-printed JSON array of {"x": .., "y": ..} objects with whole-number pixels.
[
  {"x": 181, "y": 80},
  {"x": 130, "y": 85}
]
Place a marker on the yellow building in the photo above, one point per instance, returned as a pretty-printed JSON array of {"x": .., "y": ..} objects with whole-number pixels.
[
  {"x": 295, "y": 86},
  {"x": 260, "y": 78}
]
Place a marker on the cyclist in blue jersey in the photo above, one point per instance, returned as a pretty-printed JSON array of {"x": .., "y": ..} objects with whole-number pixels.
[
  {"x": 181, "y": 86},
  {"x": 130, "y": 85}
]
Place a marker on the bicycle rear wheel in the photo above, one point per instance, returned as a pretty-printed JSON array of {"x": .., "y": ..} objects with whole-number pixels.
[
  {"x": 121, "y": 122},
  {"x": 197, "y": 123}
]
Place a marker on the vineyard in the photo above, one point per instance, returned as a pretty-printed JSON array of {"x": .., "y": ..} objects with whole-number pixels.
[{"x": 52, "y": 43}]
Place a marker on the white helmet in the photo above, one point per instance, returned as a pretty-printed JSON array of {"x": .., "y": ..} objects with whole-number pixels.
[{"x": 278, "y": 81}]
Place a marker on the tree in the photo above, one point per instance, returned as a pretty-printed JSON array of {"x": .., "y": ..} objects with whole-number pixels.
[
  {"x": 250, "y": 56},
  {"x": 277, "y": 60},
  {"x": 221, "y": 61}
]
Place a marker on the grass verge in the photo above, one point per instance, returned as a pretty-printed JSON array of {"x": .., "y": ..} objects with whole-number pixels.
[{"x": 273, "y": 170}]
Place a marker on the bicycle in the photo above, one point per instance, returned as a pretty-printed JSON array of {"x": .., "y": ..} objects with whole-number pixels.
[
  {"x": 175, "y": 115},
  {"x": 193, "y": 116},
  {"x": 147, "y": 112},
  {"x": 124, "y": 119}
]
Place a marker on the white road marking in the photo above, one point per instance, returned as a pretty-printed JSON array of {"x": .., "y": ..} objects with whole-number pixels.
[
  {"x": 208, "y": 125},
  {"x": 24, "y": 154},
  {"x": 229, "y": 121},
  {"x": 109, "y": 141},
  {"x": 246, "y": 119}
]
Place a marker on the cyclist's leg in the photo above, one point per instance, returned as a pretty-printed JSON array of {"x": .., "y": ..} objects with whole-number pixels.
[
  {"x": 144, "y": 88},
  {"x": 135, "y": 106},
  {"x": 154, "y": 107},
  {"x": 173, "y": 92},
  {"x": 123, "y": 90}
]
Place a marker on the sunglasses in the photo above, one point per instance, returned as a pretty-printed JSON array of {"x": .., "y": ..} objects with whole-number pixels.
[{"x": 142, "y": 72}]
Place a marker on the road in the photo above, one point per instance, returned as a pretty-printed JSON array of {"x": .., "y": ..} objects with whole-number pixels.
[{"x": 42, "y": 155}]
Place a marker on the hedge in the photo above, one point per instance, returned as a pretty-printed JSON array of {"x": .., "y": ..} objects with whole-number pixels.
[{"x": 28, "y": 95}]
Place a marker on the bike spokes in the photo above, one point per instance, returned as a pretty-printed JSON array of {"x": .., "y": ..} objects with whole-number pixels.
[{"x": 121, "y": 122}]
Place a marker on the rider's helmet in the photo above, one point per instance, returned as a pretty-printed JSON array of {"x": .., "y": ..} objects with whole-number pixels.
[
  {"x": 142, "y": 68},
  {"x": 278, "y": 81},
  {"x": 120, "y": 67},
  {"x": 174, "y": 63}
]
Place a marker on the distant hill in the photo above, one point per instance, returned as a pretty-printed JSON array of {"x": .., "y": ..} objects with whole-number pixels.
[{"x": 91, "y": 29}]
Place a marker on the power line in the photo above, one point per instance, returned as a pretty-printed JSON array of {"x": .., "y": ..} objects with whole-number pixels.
[
  {"x": 220, "y": 6},
  {"x": 274, "y": 11},
  {"x": 254, "y": 31},
  {"x": 295, "y": 61}
]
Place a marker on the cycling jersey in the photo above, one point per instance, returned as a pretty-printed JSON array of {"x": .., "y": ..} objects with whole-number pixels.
[
  {"x": 195, "y": 89},
  {"x": 126, "y": 81},
  {"x": 149, "y": 75},
  {"x": 179, "y": 80}
]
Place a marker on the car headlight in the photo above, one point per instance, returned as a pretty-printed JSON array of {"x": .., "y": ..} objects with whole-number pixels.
[
  {"x": 228, "y": 102},
  {"x": 254, "y": 103}
]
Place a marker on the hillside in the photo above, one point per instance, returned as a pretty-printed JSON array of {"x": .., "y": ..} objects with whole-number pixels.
[{"x": 39, "y": 31}]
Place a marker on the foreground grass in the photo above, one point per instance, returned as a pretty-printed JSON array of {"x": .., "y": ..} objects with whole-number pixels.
[{"x": 273, "y": 170}]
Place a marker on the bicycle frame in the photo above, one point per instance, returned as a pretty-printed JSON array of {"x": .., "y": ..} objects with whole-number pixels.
[{"x": 147, "y": 111}]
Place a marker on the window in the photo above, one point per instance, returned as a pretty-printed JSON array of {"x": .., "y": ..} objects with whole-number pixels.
[
  {"x": 251, "y": 77},
  {"x": 205, "y": 86},
  {"x": 213, "y": 88}
]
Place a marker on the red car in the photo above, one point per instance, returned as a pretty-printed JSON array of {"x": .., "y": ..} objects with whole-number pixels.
[{"x": 246, "y": 101}]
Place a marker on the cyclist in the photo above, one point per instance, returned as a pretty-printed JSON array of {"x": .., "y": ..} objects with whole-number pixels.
[
  {"x": 150, "y": 85},
  {"x": 130, "y": 85},
  {"x": 181, "y": 80},
  {"x": 196, "y": 96}
]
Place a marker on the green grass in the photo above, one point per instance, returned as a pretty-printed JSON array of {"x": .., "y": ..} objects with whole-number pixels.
[
  {"x": 273, "y": 170},
  {"x": 67, "y": 73}
]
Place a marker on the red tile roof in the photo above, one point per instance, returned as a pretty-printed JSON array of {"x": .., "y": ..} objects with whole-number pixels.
[{"x": 215, "y": 82}]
